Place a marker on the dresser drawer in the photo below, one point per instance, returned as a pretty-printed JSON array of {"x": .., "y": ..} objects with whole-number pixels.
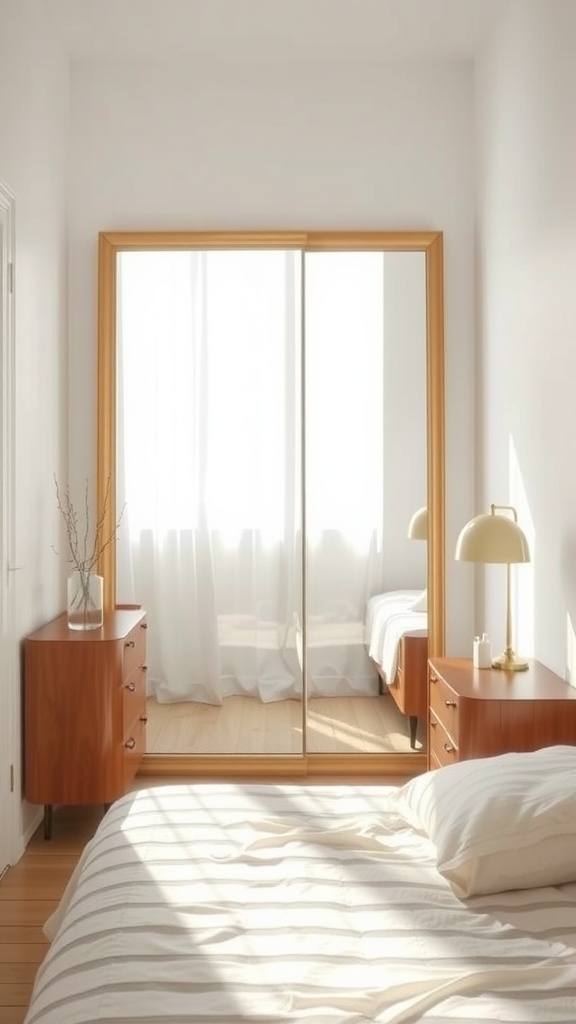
[
  {"x": 133, "y": 697},
  {"x": 134, "y": 649},
  {"x": 444, "y": 704},
  {"x": 442, "y": 746},
  {"x": 134, "y": 748}
]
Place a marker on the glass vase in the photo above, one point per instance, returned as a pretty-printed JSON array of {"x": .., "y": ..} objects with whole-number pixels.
[{"x": 85, "y": 600}]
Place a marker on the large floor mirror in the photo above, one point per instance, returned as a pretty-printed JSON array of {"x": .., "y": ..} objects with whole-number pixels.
[{"x": 270, "y": 417}]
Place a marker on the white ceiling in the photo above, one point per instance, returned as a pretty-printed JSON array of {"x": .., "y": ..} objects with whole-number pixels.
[{"x": 273, "y": 30}]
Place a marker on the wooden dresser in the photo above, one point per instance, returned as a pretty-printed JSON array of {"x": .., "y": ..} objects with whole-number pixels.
[
  {"x": 84, "y": 710},
  {"x": 482, "y": 712}
]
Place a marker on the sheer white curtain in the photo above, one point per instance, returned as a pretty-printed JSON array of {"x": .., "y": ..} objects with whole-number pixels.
[
  {"x": 344, "y": 330},
  {"x": 209, "y": 468},
  {"x": 210, "y": 441}
]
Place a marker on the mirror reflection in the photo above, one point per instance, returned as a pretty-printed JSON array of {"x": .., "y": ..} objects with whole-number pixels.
[
  {"x": 271, "y": 447},
  {"x": 365, "y": 456}
]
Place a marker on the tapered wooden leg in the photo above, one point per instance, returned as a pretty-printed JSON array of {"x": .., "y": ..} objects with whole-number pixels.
[
  {"x": 413, "y": 728},
  {"x": 47, "y": 821}
]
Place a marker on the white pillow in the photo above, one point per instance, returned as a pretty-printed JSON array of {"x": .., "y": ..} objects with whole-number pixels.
[
  {"x": 421, "y": 603},
  {"x": 506, "y": 822}
]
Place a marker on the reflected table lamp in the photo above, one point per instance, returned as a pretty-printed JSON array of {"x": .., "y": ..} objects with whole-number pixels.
[
  {"x": 418, "y": 530},
  {"x": 493, "y": 537},
  {"x": 418, "y": 525}
]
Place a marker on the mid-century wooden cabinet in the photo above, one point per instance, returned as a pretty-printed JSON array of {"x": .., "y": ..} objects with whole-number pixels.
[{"x": 84, "y": 710}]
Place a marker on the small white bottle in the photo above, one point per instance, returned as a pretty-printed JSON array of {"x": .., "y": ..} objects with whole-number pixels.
[{"x": 482, "y": 654}]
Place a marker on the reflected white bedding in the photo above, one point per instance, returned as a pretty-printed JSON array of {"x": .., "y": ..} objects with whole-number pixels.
[
  {"x": 389, "y": 617},
  {"x": 215, "y": 904}
]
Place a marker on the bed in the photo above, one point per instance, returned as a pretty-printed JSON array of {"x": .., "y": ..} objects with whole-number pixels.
[
  {"x": 396, "y": 638},
  {"x": 223, "y": 903}
]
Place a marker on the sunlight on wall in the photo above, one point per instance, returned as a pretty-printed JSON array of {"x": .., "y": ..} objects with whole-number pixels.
[
  {"x": 522, "y": 575},
  {"x": 570, "y": 652}
]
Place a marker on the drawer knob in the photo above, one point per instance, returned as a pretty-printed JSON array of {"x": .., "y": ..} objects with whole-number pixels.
[
  {"x": 130, "y": 643},
  {"x": 449, "y": 748},
  {"x": 143, "y": 625},
  {"x": 450, "y": 703},
  {"x": 144, "y": 668},
  {"x": 143, "y": 718},
  {"x": 131, "y": 687},
  {"x": 432, "y": 724},
  {"x": 131, "y": 743}
]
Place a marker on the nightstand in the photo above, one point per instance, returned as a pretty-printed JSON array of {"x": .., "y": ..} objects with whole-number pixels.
[{"x": 483, "y": 712}]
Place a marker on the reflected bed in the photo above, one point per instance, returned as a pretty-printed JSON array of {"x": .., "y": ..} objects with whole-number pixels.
[{"x": 396, "y": 639}]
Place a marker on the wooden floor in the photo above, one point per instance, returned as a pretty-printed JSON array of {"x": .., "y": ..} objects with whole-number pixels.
[
  {"x": 243, "y": 725},
  {"x": 30, "y": 891}
]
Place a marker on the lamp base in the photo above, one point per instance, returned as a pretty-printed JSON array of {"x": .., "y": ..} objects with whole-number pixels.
[{"x": 510, "y": 662}]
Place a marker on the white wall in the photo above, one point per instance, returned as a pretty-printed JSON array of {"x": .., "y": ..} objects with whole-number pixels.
[
  {"x": 527, "y": 317},
  {"x": 168, "y": 146},
  {"x": 33, "y": 160}
]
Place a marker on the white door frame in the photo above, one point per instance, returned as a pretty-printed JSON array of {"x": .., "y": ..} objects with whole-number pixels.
[{"x": 9, "y": 716}]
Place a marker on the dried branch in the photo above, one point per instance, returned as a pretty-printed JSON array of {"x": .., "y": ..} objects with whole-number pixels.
[{"x": 85, "y": 550}]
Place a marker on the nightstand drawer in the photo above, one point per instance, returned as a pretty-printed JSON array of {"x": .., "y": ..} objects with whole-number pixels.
[
  {"x": 442, "y": 745},
  {"x": 397, "y": 689},
  {"x": 410, "y": 686},
  {"x": 444, "y": 704}
]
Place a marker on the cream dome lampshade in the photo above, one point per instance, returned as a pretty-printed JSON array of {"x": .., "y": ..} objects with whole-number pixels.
[
  {"x": 493, "y": 537},
  {"x": 418, "y": 525}
]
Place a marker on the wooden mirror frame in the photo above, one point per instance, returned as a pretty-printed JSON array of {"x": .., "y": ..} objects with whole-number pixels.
[{"x": 110, "y": 243}]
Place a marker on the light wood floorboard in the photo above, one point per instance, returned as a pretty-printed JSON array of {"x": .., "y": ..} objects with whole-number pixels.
[
  {"x": 243, "y": 725},
  {"x": 29, "y": 892}
]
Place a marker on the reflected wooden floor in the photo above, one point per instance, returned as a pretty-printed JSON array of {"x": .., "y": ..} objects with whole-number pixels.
[{"x": 243, "y": 725}]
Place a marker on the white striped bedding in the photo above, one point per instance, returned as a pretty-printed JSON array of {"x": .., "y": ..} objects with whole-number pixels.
[{"x": 221, "y": 903}]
